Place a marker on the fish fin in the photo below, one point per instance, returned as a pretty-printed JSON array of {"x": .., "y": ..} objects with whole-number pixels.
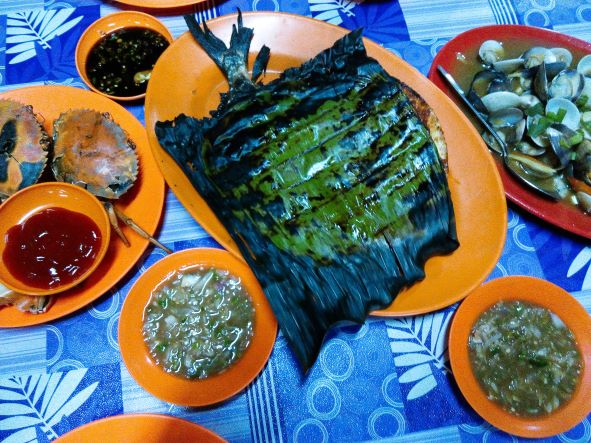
[
  {"x": 182, "y": 139},
  {"x": 232, "y": 60},
  {"x": 260, "y": 63}
]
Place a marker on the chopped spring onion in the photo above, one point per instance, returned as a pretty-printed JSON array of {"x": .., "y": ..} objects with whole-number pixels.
[{"x": 198, "y": 323}]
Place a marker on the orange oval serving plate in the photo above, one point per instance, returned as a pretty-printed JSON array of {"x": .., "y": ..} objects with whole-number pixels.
[
  {"x": 185, "y": 80},
  {"x": 159, "y": 4},
  {"x": 33, "y": 199},
  {"x": 516, "y": 38},
  {"x": 111, "y": 23},
  {"x": 547, "y": 295},
  {"x": 143, "y": 202},
  {"x": 140, "y": 428},
  {"x": 179, "y": 390}
]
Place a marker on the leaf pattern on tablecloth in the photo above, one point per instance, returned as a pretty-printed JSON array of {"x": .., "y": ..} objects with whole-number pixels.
[
  {"x": 419, "y": 343},
  {"x": 582, "y": 260},
  {"x": 40, "y": 400},
  {"x": 29, "y": 32},
  {"x": 330, "y": 10}
]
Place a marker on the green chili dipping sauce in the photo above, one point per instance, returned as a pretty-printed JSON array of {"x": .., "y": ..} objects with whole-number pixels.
[
  {"x": 198, "y": 323},
  {"x": 525, "y": 358},
  {"x": 121, "y": 62}
]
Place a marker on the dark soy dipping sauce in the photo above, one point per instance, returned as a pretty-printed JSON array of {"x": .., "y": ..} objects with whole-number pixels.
[
  {"x": 121, "y": 62},
  {"x": 51, "y": 248}
]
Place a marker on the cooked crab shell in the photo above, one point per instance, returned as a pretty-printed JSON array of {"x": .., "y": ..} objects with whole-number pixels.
[
  {"x": 23, "y": 147},
  {"x": 91, "y": 150}
]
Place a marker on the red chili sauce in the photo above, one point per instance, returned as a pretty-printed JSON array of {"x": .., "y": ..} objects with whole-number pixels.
[{"x": 52, "y": 248}]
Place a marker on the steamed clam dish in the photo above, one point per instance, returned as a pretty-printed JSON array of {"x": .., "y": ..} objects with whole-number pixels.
[
  {"x": 331, "y": 180},
  {"x": 540, "y": 105}
]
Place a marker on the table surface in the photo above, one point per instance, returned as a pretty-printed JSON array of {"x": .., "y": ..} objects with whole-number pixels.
[{"x": 362, "y": 387}]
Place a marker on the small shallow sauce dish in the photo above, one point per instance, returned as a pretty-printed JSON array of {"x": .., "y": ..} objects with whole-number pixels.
[
  {"x": 52, "y": 200},
  {"x": 175, "y": 388},
  {"x": 126, "y": 24},
  {"x": 531, "y": 291},
  {"x": 140, "y": 428}
]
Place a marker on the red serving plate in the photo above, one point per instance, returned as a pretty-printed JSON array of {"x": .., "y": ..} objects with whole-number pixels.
[{"x": 458, "y": 55}]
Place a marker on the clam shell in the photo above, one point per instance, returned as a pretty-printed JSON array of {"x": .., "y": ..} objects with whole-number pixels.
[
  {"x": 490, "y": 51},
  {"x": 508, "y": 66},
  {"x": 537, "y": 55},
  {"x": 584, "y": 65},
  {"x": 563, "y": 55},
  {"x": 529, "y": 101},
  {"x": 556, "y": 135},
  {"x": 584, "y": 201},
  {"x": 496, "y": 101},
  {"x": 541, "y": 140},
  {"x": 505, "y": 117},
  {"x": 529, "y": 149},
  {"x": 541, "y": 83},
  {"x": 567, "y": 84},
  {"x": 572, "y": 117},
  {"x": 586, "y": 92}
]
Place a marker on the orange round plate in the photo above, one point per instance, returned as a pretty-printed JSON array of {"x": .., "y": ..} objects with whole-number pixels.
[
  {"x": 178, "y": 390},
  {"x": 28, "y": 201},
  {"x": 186, "y": 80},
  {"x": 547, "y": 295},
  {"x": 140, "y": 428},
  {"x": 465, "y": 46},
  {"x": 111, "y": 23},
  {"x": 159, "y": 4},
  {"x": 143, "y": 202}
]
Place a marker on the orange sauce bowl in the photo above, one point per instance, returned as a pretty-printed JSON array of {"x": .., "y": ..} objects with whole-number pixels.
[
  {"x": 541, "y": 293},
  {"x": 216, "y": 387},
  {"x": 140, "y": 428},
  {"x": 33, "y": 199},
  {"x": 106, "y": 25}
]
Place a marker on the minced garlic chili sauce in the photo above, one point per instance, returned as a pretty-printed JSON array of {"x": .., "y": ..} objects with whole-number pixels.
[
  {"x": 52, "y": 248},
  {"x": 525, "y": 358},
  {"x": 198, "y": 323}
]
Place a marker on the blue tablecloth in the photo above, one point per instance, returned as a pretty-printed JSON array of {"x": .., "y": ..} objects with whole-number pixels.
[{"x": 362, "y": 387}]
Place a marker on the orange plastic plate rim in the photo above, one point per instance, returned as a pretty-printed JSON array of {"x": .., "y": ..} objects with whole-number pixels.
[
  {"x": 140, "y": 428},
  {"x": 547, "y": 295},
  {"x": 106, "y": 25},
  {"x": 179, "y": 390},
  {"x": 143, "y": 202},
  {"x": 33, "y": 199}
]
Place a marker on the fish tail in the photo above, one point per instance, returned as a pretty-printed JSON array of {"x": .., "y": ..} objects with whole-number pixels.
[{"x": 232, "y": 60}]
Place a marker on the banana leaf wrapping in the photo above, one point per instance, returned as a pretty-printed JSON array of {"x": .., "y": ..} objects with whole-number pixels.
[{"x": 325, "y": 178}]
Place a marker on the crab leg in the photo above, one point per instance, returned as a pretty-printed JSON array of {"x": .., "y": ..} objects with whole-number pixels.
[
  {"x": 25, "y": 303},
  {"x": 133, "y": 225},
  {"x": 115, "y": 223}
]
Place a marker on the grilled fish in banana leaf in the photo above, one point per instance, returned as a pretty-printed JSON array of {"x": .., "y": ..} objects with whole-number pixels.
[{"x": 325, "y": 178}]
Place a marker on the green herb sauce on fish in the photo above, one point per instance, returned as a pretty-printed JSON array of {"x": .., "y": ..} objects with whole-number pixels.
[{"x": 326, "y": 179}]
